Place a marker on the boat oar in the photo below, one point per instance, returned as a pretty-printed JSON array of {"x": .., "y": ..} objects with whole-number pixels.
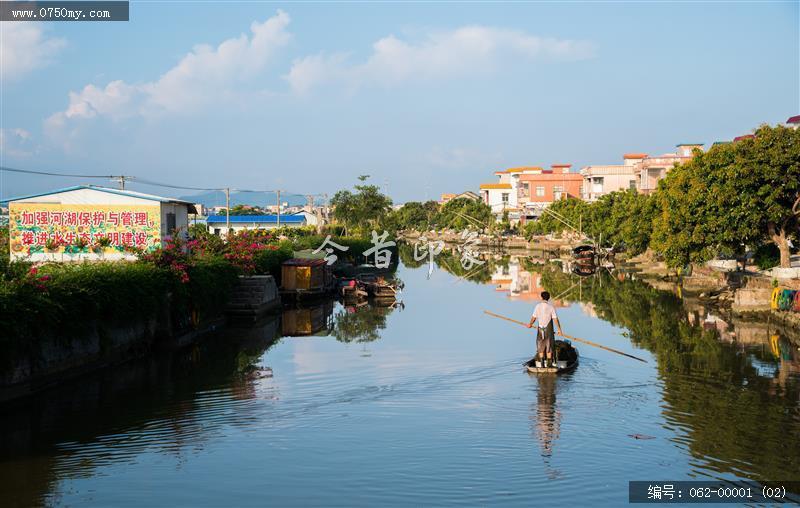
[{"x": 570, "y": 337}]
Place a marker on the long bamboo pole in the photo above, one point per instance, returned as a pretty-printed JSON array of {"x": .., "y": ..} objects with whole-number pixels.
[{"x": 570, "y": 337}]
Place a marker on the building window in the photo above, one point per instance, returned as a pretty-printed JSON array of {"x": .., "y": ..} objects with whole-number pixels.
[
  {"x": 539, "y": 192},
  {"x": 597, "y": 185},
  {"x": 216, "y": 231},
  {"x": 558, "y": 191},
  {"x": 504, "y": 197},
  {"x": 170, "y": 223},
  {"x": 526, "y": 189},
  {"x": 632, "y": 185}
]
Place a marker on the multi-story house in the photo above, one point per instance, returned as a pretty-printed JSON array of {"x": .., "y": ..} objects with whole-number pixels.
[
  {"x": 638, "y": 171},
  {"x": 604, "y": 179},
  {"x": 525, "y": 191},
  {"x": 538, "y": 190},
  {"x": 650, "y": 170}
]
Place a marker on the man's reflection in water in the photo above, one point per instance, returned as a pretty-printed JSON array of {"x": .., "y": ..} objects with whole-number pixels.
[{"x": 548, "y": 418}]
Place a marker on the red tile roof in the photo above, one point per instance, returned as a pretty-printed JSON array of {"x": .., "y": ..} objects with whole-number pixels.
[
  {"x": 793, "y": 119},
  {"x": 561, "y": 165},
  {"x": 634, "y": 156},
  {"x": 746, "y": 136}
]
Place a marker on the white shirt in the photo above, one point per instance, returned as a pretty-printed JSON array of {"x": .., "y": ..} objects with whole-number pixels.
[{"x": 544, "y": 312}]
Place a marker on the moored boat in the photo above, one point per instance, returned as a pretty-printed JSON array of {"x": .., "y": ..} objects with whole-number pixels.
[{"x": 566, "y": 360}]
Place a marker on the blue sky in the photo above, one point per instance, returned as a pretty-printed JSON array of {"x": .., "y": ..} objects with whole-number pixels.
[{"x": 425, "y": 97}]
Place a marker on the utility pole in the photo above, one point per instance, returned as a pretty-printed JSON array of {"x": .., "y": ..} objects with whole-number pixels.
[
  {"x": 227, "y": 211},
  {"x": 278, "y": 192},
  {"x": 120, "y": 180}
]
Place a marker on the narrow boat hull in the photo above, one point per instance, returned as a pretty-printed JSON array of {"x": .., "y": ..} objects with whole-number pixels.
[{"x": 566, "y": 352}]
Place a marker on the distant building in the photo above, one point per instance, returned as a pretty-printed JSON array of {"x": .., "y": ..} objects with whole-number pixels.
[
  {"x": 468, "y": 195},
  {"x": 652, "y": 169},
  {"x": 603, "y": 179},
  {"x": 538, "y": 190},
  {"x": 638, "y": 171},
  {"x": 217, "y": 223},
  {"x": 503, "y": 196},
  {"x": 76, "y": 223},
  {"x": 793, "y": 122},
  {"x": 525, "y": 191},
  {"x": 445, "y": 198}
]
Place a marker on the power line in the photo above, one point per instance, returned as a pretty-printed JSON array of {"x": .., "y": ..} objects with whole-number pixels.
[
  {"x": 124, "y": 178},
  {"x": 31, "y": 172}
]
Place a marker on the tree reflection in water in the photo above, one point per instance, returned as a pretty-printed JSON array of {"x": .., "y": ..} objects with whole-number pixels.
[
  {"x": 738, "y": 417},
  {"x": 363, "y": 323}
]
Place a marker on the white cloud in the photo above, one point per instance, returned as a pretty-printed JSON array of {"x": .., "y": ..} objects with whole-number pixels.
[
  {"x": 203, "y": 76},
  {"x": 465, "y": 51},
  {"x": 24, "y": 47},
  {"x": 16, "y": 142}
]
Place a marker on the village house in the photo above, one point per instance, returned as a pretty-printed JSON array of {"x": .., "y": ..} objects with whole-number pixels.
[
  {"x": 652, "y": 169},
  {"x": 445, "y": 198},
  {"x": 87, "y": 222},
  {"x": 638, "y": 171},
  {"x": 540, "y": 189},
  {"x": 525, "y": 191},
  {"x": 603, "y": 179}
]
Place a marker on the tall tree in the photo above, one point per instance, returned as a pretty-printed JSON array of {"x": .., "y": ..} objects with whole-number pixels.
[
  {"x": 362, "y": 209},
  {"x": 743, "y": 193}
]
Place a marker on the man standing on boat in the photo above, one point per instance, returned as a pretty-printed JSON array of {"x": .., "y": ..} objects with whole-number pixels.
[{"x": 545, "y": 313}]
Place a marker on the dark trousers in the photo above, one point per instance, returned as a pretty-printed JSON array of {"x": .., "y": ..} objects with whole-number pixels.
[{"x": 545, "y": 340}]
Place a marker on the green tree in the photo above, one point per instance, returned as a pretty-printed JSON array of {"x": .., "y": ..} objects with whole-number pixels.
[
  {"x": 246, "y": 210},
  {"x": 741, "y": 193},
  {"x": 465, "y": 213},
  {"x": 361, "y": 210},
  {"x": 416, "y": 215}
]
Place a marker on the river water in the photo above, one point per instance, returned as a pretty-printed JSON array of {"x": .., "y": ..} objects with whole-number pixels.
[{"x": 425, "y": 403}]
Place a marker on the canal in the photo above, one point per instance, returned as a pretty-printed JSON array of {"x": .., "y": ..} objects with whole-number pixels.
[{"x": 421, "y": 403}]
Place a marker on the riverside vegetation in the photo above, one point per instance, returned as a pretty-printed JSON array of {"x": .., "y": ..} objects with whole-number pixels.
[{"x": 196, "y": 276}]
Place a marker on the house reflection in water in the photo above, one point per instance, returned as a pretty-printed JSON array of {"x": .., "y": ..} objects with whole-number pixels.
[{"x": 519, "y": 283}]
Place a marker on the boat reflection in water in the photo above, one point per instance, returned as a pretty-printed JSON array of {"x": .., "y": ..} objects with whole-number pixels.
[
  {"x": 352, "y": 322},
  {"x": 308, "y": 320}
]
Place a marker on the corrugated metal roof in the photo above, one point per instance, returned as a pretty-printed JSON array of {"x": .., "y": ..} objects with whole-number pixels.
[
  {"x": 133, "y": 194},
  {"x": 251, "y": 219}
]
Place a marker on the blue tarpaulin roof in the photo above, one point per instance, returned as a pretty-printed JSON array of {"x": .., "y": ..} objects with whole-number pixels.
[{"x": 256, "y": 219}]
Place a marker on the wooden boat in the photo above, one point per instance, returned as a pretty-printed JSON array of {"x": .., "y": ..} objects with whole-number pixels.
[
  {"x": 306, "y": 279},
  {"x": 584, "y": 254},
  {"x": 565, "y": 352}
]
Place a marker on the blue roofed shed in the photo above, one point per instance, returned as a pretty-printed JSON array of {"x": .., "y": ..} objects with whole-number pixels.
[{"x": 217, "y": 224}]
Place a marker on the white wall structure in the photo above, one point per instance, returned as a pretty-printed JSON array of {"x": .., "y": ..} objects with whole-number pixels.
[{"x": 93, "y": 223}]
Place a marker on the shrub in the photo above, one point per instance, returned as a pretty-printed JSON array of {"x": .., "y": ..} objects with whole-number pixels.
[
  {"x": 268, "y": 262},
  {"x": 767, "y": 256}
]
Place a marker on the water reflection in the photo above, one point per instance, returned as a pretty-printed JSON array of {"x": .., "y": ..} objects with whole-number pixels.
[
  {"x": 736, "y": 417},
  {"x": 170, "y": 403},
  {"x": 439, "y": 407},
  {"x": 730, "y": 385},
  {"x": 547, "y": 417}
]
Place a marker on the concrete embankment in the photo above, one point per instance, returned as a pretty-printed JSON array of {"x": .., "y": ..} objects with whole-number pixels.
[{"x": 50, "y": 359}]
